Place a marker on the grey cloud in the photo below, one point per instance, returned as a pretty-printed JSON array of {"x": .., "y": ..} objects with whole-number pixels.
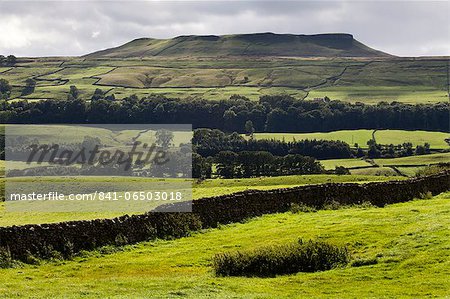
[{"x": 73, "y": 28}]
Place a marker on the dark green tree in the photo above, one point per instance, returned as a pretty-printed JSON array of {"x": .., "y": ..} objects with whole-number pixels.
[
  {"x": 374, "y": 150},
  {"x": 30, "y": 85},
  {"x": 5, "y": 89},
  {"x": 11, "y": 60},
  {"x": 201, "y": 167},
  {"x": 164, "y": 138},
  {"x": 98, "y": 94},
  {"x": 73, "y": 92},
  {"x": 249, "y": 129}
]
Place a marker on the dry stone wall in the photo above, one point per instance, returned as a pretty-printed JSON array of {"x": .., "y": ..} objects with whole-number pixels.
[{"x": 68, "y": 238}]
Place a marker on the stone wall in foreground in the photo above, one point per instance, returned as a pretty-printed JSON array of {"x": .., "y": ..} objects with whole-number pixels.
[{"x": 67, "y": 238}]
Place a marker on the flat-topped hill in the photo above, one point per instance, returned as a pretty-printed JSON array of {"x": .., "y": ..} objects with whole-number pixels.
[{"x": 256, "y": 44}]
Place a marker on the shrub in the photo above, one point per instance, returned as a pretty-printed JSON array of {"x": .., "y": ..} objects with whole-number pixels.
[
  {"x": 302, "y": 256},
  {"x": 340, "y": 170},
  {"x": 301, "y": 208},
  {"x": 6, "y": 261},
  {"x": 32, "y": 260},
  {"x": 121, "y": 240},
  {"x": 432, "y": 169},
  {"x": 332, "y": 205},
  {"x": 426, "y": 195},
  {"x": 365, "y": 205}
]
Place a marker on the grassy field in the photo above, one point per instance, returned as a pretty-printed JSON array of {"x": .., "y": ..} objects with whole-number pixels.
[
  {"x": 109, "y": 136},
  {"x": 345, "y": 79},
  {"x": 415, "y": 160},
  {"x": 412, "y": 260},
  {"x": 206, "y": 188},
  {"x": 349, "y": 136},
  {"x": 376, "y": 171},
  {"x": 435, "y": 139},
  {"x": 347, "y": 163},
  {"x": 374, "y": 94},
  {"x": 407, "y": 166}
]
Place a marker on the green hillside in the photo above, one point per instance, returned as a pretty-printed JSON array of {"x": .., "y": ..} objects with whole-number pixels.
[
  {"x": 414, "y": 254},
  {"x": 256, "y": 44},
  {"x": 252, "y": 65}
]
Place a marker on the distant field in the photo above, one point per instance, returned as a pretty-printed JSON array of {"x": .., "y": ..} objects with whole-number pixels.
[
  {"x": 347, "y": 163},
  {"x": 375, "y": 94},
  {"x": 410, "y": 171},
  {"x": 407, "y": 244},
  {"x": 376, "y": 171},
  {"x": 409, "y": 81},
  {"x": 204, "y": 189},
  {"x": 215, "y": 77},
  {"x": 414, "y": 164},
  {"x": 435, "y": 139},
  {"x": 416, "y": 160},
  {"x": 107, "y": 135},
  {"x": 349, "y": 136}
]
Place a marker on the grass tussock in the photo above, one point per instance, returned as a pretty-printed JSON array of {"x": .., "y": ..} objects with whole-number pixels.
[
  {"x": 364, "y": 262},
  {"x": 310, "y": 256}
]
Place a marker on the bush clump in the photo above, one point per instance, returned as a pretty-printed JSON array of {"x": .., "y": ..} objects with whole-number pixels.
[{"x": 310, "y": 256}]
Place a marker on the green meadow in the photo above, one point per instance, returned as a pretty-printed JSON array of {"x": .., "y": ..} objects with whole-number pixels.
[
  {"x": 415, "y": 160},
  {"x": 435, "y": 139},
  {"x": 361, "y": 137},
  {"x": 347, "y": 163},
  {"x": 348, "y": 136},
  {"x": 409, "y": 261},
  {"x": 374, "y": 94},
  {"x": 406, "y": 166}
]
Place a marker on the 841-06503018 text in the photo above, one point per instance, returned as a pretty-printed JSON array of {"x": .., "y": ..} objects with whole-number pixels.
[{"x": 100, "y": 196}]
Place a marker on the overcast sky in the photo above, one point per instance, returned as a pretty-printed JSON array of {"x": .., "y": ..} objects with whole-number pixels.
[{"x": 38, "y": 28}]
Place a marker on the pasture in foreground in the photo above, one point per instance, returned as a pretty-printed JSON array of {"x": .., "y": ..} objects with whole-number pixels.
[{"x": 414, "y": 254}]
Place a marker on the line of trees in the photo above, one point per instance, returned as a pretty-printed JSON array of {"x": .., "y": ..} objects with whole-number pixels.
[
  {"x": 247, "y": 164},
  {"x": 406, "y": 149},
  {"x": 269, "y": 114},
  {"x": 207, "y": 142}
]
